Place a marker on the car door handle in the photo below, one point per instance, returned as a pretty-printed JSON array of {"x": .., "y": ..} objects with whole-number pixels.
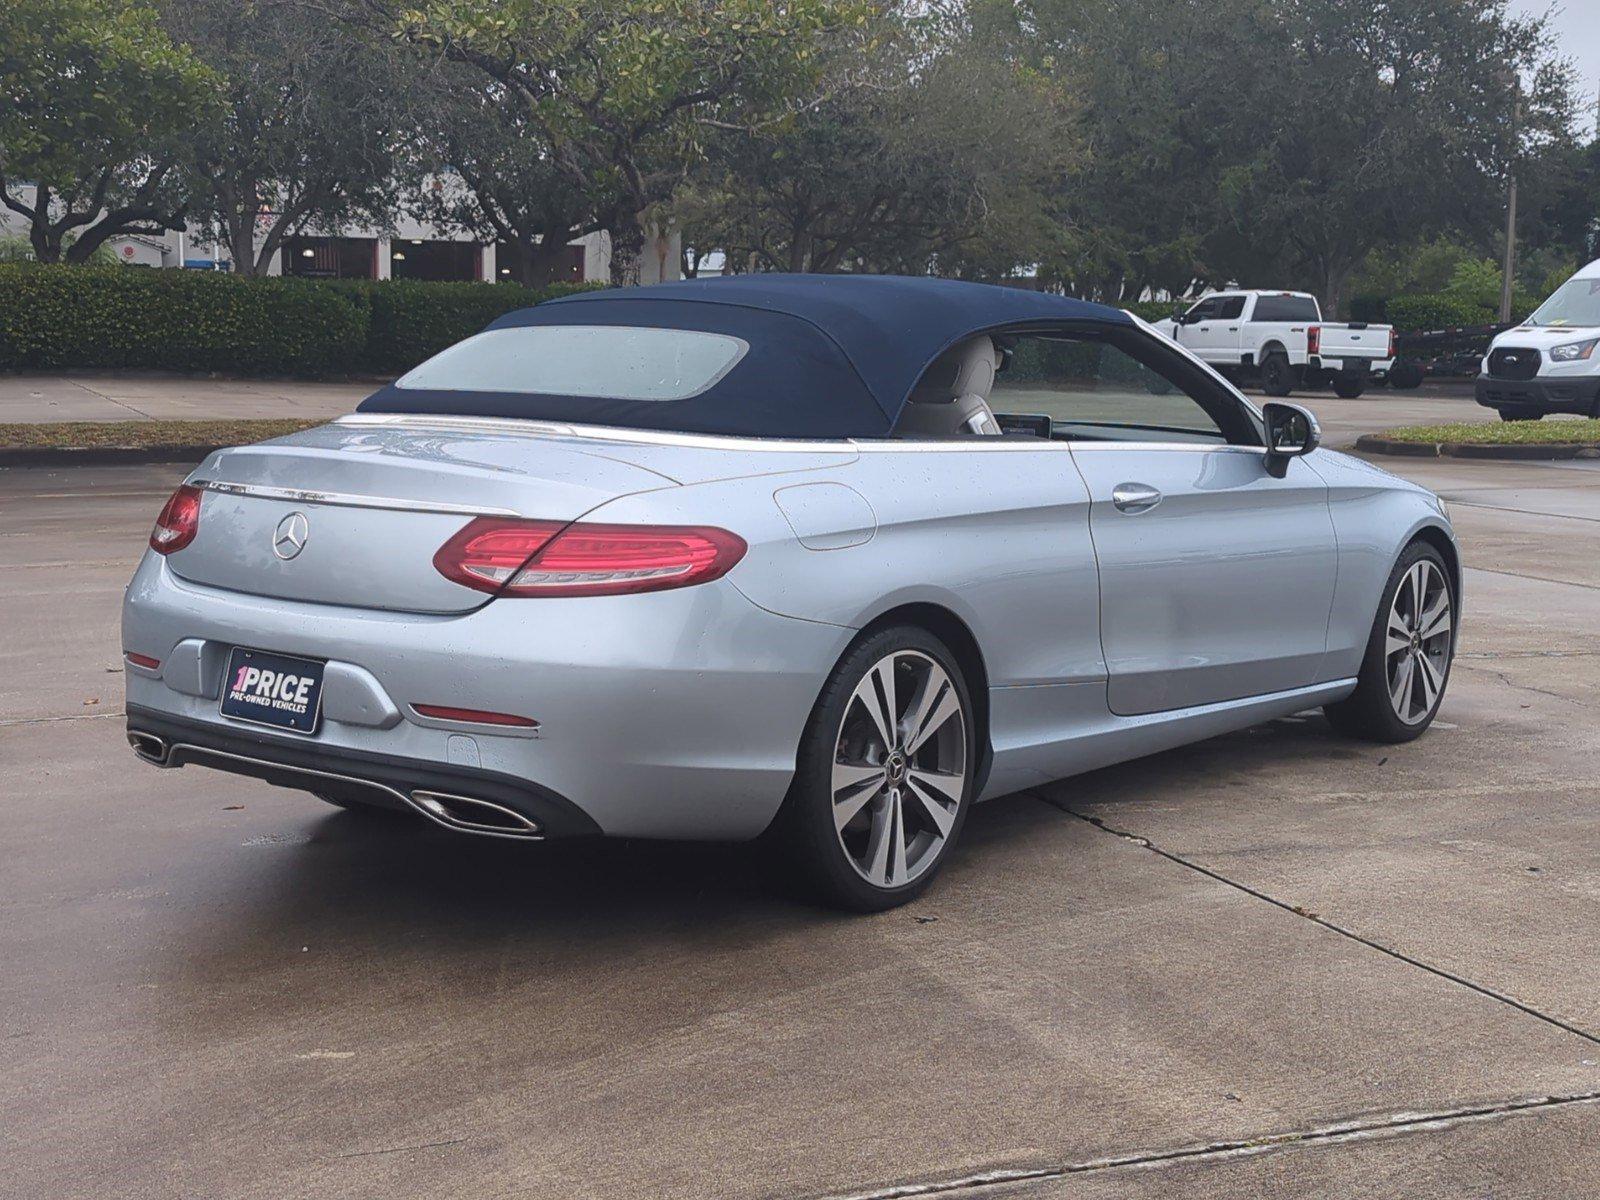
[{"x": 1134, "y": 497}]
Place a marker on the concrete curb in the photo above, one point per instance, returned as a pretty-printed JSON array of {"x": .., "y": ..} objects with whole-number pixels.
[
  {"x": 101, "y": 456},
  {"x": 1372, "y": 443}
]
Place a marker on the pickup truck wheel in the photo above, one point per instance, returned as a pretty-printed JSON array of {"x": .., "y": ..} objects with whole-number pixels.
[
  {"x": 1277, "y": 376},
  {"x": 1348, "y": 388}
]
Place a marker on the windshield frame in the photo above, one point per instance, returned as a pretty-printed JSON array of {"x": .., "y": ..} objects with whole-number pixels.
[{"x": 1576, "y": 283}]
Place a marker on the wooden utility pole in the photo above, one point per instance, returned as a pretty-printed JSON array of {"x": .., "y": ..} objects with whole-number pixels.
[{"x": 1508, "y": 273}]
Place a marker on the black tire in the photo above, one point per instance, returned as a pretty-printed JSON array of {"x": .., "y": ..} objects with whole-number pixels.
[
  {"x": 1517, "y": 414},
  {"x": 1405, "y": 375},
  {"x": 1369, "y": 712},
  {"x": 1347, "y": 388},
  {"x": 805, "y": 832},
  {"x": 1277, "y": 376}
]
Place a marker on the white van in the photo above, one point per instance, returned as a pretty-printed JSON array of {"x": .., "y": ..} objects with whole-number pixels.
[{"x": 1551, "y": 362}]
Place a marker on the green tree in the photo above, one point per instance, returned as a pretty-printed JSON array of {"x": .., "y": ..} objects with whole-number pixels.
[
  {"x": 510, "y": 189},
  {"x": 622, "y": 92},
  {"x": 942, "y": 157},
  {"x": 1378, "y": 122},
  {"x": 94, "y": 101},
  {"x": 307, "y": 131}
]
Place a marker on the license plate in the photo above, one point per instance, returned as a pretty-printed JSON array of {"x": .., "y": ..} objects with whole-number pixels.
[
  {"x": 1357, "y": 366},
  {"x": 273, "y": 690}
]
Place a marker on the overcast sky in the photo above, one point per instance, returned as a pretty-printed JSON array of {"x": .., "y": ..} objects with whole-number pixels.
[{"x": 1578, "y": 29}]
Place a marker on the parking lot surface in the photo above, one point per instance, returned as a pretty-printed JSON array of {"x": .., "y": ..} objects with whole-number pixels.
[{"x": 1275, "y": 964}]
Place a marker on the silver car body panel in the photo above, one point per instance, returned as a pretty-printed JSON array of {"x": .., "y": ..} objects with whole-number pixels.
[{"x": 1103, "y": 634}]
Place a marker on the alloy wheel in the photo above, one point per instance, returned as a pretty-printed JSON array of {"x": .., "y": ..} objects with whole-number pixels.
[
  {"x": 1417, "y": 642},
  {"x": 900, "y": 768}
]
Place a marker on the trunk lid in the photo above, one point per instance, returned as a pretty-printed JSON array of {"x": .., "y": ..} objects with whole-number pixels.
[
  {"x": 374, "y": 505},
  {"x": 1344, "y": 341}
]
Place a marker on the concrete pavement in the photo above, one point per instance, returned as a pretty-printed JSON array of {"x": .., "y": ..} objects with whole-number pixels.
[
  {"x": 1275, "y": 964},
  {"x": 106, "y": 397},
  {"x": 81, "y": 397}
]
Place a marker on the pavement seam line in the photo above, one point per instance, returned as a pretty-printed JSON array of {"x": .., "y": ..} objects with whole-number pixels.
[
  {"x": 1534, "y": 578},
  {"x": 1317, "y": 919},
  {"x": 1524, "y": 512},
  {"x": 1399, "y": 1124},
  {"x": 94, "y": 716}
]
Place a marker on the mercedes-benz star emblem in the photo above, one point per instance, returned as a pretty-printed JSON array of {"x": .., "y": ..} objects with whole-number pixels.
[{"x": 290, "y": 536}]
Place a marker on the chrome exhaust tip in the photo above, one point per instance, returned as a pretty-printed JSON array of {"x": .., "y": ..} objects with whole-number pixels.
[
  {"x": 148, "y": 747},
  {"x": 471, "y": 815}
]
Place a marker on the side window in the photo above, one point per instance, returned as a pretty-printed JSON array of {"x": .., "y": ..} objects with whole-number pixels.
[
  {"x": 1203, "y": 311},
  {"x": 1285, "y": 308},
  {"x": 1094, "y": 391},
  {"x": 1230, "y": 308}
]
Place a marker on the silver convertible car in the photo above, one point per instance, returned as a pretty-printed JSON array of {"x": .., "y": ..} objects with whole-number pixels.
[{"x": 824, "y": 560}]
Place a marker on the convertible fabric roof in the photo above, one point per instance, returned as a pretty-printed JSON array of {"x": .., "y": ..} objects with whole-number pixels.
[{"x": 830, "y": 356}]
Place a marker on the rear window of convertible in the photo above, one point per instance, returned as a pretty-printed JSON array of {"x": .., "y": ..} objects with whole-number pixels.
[{"x": 612, "y": 361}]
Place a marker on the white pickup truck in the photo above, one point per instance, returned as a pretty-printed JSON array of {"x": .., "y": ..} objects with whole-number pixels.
[{"x": 1281, "y": 339}]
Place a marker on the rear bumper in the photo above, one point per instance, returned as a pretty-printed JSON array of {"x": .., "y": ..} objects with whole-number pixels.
[
  {"x": 1578, "y": 396},
  {"x": 381, "y": 779},
  {"x": 672, "y": 714}
]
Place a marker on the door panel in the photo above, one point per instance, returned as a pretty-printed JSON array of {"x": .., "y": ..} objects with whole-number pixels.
[{"x": 1217, "y": 590}]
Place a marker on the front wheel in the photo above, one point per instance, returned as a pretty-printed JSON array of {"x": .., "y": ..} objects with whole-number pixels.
[
  {"x": 885, "y": 773},
  {"x": 1277, "y": 376},
  {"x": 1409, "y": 652}
]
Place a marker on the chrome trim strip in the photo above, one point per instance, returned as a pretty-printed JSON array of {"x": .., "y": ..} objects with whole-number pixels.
[
  {"x": 197, "y": 753},
  {"x": 1190, "y": 446},
  {"x": 702, "y": 441},
  {"x": 347, "y": 500}
]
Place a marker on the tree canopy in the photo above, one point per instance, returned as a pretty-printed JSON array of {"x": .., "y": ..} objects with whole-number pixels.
[{"x": 94, "y": 101}]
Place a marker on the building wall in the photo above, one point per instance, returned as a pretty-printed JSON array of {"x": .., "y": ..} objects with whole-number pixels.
[{"x": 173, "y": 249}]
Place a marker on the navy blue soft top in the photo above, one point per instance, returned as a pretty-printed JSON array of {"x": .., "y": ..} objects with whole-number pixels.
[{"x": 830, "y": 355}]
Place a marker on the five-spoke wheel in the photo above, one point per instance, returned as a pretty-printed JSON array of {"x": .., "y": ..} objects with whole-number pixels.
[
  {"x": 899, "y": 769},
  {"x": 885, "y": 771},
  {"x": 1407, "y": 661}
]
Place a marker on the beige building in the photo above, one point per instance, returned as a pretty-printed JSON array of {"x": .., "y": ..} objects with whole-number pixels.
[{"x": 406, "y": 249}]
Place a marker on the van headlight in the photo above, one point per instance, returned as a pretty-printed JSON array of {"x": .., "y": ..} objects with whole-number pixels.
[{"x": 1574, "y": 351}]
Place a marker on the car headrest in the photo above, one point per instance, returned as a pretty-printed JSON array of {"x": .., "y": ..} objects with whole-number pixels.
[{"x": 966, "y": 369}]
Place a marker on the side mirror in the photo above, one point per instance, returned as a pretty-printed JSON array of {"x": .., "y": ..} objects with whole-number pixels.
[
  {"x": 1291, "y": 432},
  {"x": 1178, "y": 312}
]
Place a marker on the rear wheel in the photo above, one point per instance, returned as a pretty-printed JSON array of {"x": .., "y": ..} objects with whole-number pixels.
[
  {"x": 1277, "y": 376},
  {"x": 885, "y": 773},
  {"x": 1409, "y": 652},
  {"x": 1348, "y": 387}
]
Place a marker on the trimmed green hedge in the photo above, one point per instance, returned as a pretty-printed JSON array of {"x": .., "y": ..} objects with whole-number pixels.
[
  {"x": 59, "y": 317},
  {"x": 1152, "y": 310}
]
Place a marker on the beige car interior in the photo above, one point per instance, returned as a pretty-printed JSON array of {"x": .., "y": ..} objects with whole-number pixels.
[{"x": 953, "y": 395}]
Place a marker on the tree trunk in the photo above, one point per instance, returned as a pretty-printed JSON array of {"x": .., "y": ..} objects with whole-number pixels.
[
  {"x": 45, "y": 240},
  {"x": 1335, "y": 279},
  {"x": 627, "y": 248}
]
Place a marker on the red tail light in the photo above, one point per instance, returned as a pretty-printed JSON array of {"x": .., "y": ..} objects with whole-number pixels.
[
  {"x": 546, "y": 558},
  {"x": 1314, "y": 339},
  {"x": 488, "y": 551},
  {"x": 1391, "y": 345},
  {"x": 179, "y": 521},
  {"x": 475, "y": 716}
]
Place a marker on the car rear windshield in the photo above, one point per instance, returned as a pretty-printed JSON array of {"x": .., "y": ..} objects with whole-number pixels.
[
  {"x": 609, "y": 361},
  {"x": 1576, "y": 303},
  {"x": 1285, "y": 308}
]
